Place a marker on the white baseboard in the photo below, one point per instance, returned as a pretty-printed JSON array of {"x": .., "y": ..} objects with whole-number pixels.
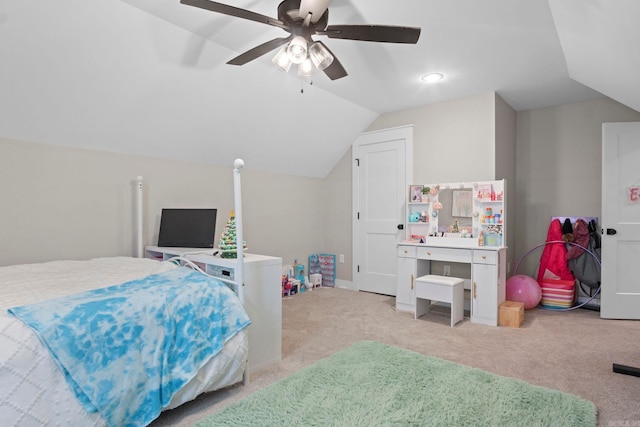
[{"x": 345, "y": 284}]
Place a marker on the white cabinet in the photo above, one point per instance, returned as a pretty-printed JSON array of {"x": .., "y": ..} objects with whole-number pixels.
[
  {"x": 488, "y": 288},
  {"x": 484, "y": 291},
  {"x": 488, "y": 276},
  {"x": 408, "y": 270},
  {"x": 484, "y": 288},
  {"x": 262, "y": 294},
  {"x": 405, "y": 292}
]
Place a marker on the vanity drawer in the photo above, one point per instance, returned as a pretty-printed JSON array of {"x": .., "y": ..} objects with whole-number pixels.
[
  {"x": 485, "y": 257},
  {"x": 444, "y": 254},
  {"x": 407, "y": 251}
]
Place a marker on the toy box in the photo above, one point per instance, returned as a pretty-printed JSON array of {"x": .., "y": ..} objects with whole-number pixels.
[{"x": 511, "y": 314}]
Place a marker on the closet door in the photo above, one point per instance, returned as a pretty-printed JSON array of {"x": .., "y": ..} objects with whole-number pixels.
[
  {"x": 381, "y": 169},
  {"x": 620, "y": 221}
]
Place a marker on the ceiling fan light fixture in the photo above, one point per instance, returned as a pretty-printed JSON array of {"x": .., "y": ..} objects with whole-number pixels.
[
  {"x": 282, "y": 59},
  {"x": 297, "y": 50},
  {"x": 320, "y": 56},
  {"x": 306, "y": 68},
  {"x": 304, "y": 19}
]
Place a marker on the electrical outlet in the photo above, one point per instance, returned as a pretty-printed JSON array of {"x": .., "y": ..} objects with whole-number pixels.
[
  {"x": 341, "y": 258},
  {"x": 447, "y": 270}
]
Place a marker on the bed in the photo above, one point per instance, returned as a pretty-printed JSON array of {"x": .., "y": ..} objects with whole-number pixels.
[
  {"x": 56, "y": 370},
  {"x": 32, "y": 387}
]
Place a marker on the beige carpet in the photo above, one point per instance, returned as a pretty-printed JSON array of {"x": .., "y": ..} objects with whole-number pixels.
[{"x": 569, "y": 351}]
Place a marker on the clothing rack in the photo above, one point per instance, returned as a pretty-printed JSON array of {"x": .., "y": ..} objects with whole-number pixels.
[{"x": 575, "y": 219}]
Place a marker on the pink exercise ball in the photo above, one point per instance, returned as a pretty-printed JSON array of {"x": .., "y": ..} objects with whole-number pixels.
[{"x": 524, "y": 289}]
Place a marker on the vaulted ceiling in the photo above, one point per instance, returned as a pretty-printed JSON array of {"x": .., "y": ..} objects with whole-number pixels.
[{"x": 150, "y": 76}]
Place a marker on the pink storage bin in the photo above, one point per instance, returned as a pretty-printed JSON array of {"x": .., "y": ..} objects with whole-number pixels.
[{"x": 558, "y": 294}]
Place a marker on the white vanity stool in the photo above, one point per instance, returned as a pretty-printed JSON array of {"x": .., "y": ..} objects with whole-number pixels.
[{"x": 440, "y": 288}]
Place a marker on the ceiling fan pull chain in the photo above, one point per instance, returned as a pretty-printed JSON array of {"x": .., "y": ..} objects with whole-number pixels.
[{"x": 302, "y": 85}]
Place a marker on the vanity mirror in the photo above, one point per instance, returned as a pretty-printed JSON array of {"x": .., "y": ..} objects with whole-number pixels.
[{"x": 462, "y": 214}]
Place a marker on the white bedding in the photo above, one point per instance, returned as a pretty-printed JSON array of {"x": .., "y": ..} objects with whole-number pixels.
[{"x": 33, "y": 391}]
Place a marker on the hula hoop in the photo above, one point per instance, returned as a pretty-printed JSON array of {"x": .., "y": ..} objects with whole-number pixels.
[{"x": 566, "y": 243}]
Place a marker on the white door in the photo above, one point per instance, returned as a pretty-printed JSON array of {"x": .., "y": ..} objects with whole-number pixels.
[
  {"x": 620, "y": 297},
  {"x": 381, "y": 171}
]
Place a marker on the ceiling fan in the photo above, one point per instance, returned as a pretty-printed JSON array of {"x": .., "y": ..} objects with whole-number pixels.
[{"x": 303, "y": 19}]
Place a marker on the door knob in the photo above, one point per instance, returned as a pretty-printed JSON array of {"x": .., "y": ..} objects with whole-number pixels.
[
  {"x": 400, "y": 226},
  {"x": 611, "y": 231}
]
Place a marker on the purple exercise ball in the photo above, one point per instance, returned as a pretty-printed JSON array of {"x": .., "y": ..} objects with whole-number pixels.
[{"x": 524, "y": 289}]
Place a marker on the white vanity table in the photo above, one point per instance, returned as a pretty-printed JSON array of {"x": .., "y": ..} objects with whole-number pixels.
[
  {"x": 427, "y": 240},
  {"x": 487, "y": 282}
]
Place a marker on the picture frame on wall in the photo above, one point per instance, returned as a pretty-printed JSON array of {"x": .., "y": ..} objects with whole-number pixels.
[
  {"x": 462, "y": 203},
  {"x": 415, "y": 193}
]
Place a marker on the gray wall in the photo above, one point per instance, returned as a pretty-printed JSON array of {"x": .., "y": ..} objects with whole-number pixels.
[
  {"x": 554, "y": 167},
  {"x": 559, "y": 162},
  {"x": 505, "y": 137},
  {"x": 452, "y": 141},
  {"x": 459, "y": 140},
  {"x": 67, "y": 203},
  {"x": 336, "y": 204}
]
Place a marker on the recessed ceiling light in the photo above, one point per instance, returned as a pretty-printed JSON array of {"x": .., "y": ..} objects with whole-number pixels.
[{"x": 432, "y": 77}]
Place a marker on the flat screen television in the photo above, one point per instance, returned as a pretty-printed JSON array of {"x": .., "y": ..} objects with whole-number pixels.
[{"x": 187, "y": 228}]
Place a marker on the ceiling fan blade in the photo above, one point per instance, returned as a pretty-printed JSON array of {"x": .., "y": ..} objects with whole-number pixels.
[
  {"x": 334, "y": 71},
  {"x": 373, "y": 33},
  {"x": 314, "y": 7},
  {"x": 234, "y": 11},
  {"x": 258, "y": 51}
]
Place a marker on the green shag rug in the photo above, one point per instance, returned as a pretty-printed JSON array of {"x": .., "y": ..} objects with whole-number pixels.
[{"x": 372, "y": 384}]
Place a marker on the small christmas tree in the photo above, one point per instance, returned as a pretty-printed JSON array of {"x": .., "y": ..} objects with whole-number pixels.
[{"x": 228, "y": 241}]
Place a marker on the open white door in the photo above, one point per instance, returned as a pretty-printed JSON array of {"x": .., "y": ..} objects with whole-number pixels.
[
  {"x": 620, "y": 221},
  {"x": 381, "y": 172}
]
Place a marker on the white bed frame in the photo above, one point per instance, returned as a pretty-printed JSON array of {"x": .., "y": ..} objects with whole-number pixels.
[
  {"x": 237, "y": 199},
  {"x": 238, "y": 283}
]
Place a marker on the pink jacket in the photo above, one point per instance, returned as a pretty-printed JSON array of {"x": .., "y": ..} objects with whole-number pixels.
[{"x": 554, "y": 255}]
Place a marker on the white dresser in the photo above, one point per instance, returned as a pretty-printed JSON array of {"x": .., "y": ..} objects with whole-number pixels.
[
  {"x": 262, "y": 294},
  {"x": 487, "y": 284}
]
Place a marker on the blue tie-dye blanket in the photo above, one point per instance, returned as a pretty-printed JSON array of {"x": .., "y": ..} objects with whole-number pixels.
[{"x": 126, "y": 350}]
